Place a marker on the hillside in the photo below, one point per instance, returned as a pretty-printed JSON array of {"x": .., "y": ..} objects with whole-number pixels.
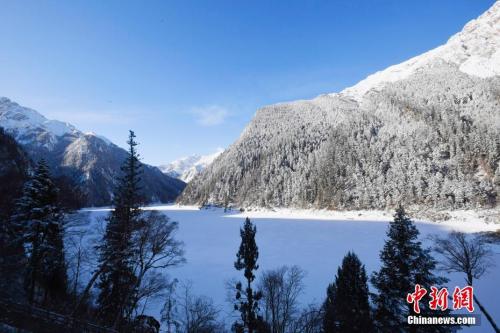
[
  {"x": 424, "y": 133},
  {"x": 14, "y": 165},
  {"x": 89, "y": 160}
]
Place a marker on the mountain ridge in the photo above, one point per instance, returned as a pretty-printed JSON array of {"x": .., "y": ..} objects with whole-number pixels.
[
  {"x": 476, "y": 49},
  {"x": 89, "y": 159},
  {"x": 423, "y": 133},
  {"x": 186, "y": 168}
]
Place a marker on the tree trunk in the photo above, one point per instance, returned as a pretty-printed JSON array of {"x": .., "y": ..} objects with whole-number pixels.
[
  {"x": 77, "y": 274},
  {"x": 250, "y": 320},
  {"x": 487, "y": 315},
  {"x": 87, "y": 289}
]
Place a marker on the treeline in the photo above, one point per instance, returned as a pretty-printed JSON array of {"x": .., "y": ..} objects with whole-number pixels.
[
  {"x": 138, "y": 247},
  {"x": 15, "y": 167},
  {"x": 429, "y": 141},
  {"x": 348, "y": 306},
  {"x": 272, "y": 304}
]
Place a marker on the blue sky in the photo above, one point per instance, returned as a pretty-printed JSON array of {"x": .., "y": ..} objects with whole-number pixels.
[{"x": 187, "y": 76}]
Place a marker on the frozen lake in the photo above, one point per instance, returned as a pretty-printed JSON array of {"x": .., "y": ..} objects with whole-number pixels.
[{"x": 315, "y": 243}]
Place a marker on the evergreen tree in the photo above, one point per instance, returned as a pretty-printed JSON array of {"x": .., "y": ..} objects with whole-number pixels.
[
  {"x": 13, "y": 174},
  {"x": 40, "y": 218},
  {"x": 54, "y": 273},
  {"x": 347, "y": 308},
  {"x": 14, "y": 164},
  {"x": 12, "y": 260},
  {"x": 404, "y": 264},
  {"x": 329, "y": 307},
  {"x": 248, "y": 300},
  {"x": 117, "y": 280}
]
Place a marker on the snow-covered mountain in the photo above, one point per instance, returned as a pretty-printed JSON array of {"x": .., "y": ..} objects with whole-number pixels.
[
  {"x": 89, "y": 159},
  {"x": 29, "y": 126},
  {"x": 425, "y": 133},
  {"x": 475, "y": 51},
  {"x": 186, "y": 168}
]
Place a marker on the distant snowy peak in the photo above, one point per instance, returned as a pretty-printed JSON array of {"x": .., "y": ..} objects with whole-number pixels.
[
  {"x": 186, "y": 168},
  {"x": 103, "y": 138},
  {"x": 30, "y": 127},
  {"x": 91, "y": 160},
  {"x": 22, "y": 120},
  {"x": 475, "y": 50}
]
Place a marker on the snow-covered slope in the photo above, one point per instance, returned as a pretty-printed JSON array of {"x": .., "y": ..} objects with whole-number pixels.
[
  {"x": 186, "y": 168},
  {"x": 27, "y": 125},
  {"x": 89, "y": 159},
  {"x": 475, "y": 50},
  {"x": 423, "y": 133}
]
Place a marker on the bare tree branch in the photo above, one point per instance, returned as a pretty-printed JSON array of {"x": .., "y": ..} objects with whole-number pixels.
[
  {"x": 470, "y": 255},
  {"x": 281, "y": 289}
]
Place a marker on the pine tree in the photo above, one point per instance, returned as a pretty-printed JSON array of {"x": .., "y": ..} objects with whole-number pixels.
[
  {"x": 39, "y": 216},
  {"x": 347, "y": 308},
  {"x": 12, "y": 260},
  {"x": 54, "y": 273},
  {"x": 404, "y": 264},
  {"x": 13, "y": 175},
  {"x": 14, "y": 164},
  {"x": 248, "y": 300},
  {"x": 117, "y": 280},
  {"x": 329, "y": 307}
]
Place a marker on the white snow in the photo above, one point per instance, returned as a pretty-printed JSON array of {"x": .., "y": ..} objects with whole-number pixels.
[
  {"x": 186, "y": 168},
  {"x": 29, "y": 126},
  {"x": 314, "y": 240},
  {"x": 475, "y": 50},
  {"x": 57, "y": 127},
  {"x": 468, "y": 221},
  {"x": 103, "y": 138},
  {"x": 24, "y": 120}
]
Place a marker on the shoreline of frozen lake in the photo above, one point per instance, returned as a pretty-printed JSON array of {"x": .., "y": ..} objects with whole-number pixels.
[{"x": 315, "y": 241}]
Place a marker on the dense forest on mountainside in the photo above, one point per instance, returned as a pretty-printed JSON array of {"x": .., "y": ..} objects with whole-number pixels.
[{"x": 432, "y": 139}]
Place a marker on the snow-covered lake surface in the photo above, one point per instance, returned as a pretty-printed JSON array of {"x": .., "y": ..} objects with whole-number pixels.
[{"x": 315, "y": 241}]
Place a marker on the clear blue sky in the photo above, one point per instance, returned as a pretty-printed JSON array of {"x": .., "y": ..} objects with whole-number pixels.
[{"x": 187, "y": 76}]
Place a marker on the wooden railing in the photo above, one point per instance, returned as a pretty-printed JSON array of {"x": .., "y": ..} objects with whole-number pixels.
[{"x": 37, "y": 320}]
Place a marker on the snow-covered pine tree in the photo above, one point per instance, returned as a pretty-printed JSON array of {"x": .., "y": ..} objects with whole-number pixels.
[
  {"x": 405, "y": 263},
  {"x": 346, "y": 307},
  {"x": 40, "y": 218},
  {"x": 247, "y": 300},
  {"x": 117, "y": 278}
]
